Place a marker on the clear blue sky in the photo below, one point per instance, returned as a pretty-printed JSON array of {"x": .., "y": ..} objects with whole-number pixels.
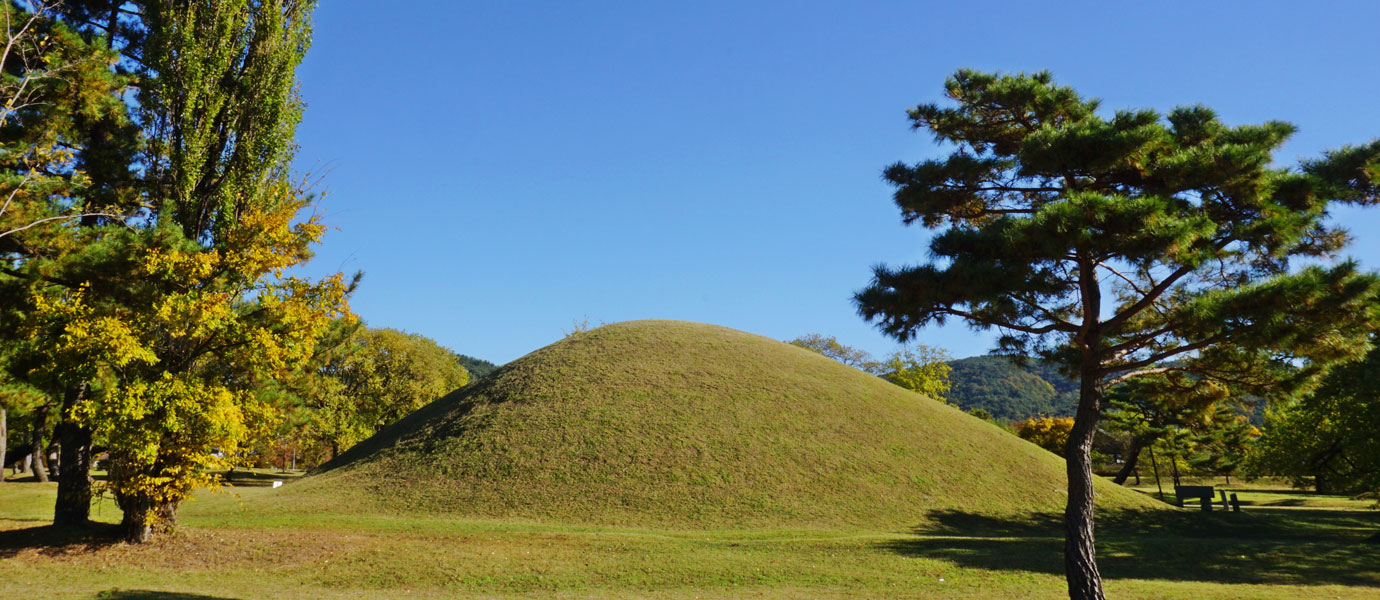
[{"x": 501, "y": 169}]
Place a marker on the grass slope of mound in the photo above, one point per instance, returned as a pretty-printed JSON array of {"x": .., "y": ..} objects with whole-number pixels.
[{"x": 665, "y": 423}]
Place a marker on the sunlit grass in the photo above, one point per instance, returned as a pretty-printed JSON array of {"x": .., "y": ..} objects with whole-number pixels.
[{"x": 227, "y": 550}]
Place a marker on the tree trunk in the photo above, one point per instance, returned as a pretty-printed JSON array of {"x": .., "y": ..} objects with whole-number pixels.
[
  {"x": 143, "y": 517},
  {"x": 1156, "y": 464},
  {"x": 1132, "y": 456},
  {"x": 1080, "y": 563},
  {"x": 53, "y": 449},
  {"x": 4, "y": 442},
  {"x": 145, "y": 513},
  {"x": 73, "y": 505},
  {"x": 40, "y": 463},
  {"x": 1174, "y": 465}
]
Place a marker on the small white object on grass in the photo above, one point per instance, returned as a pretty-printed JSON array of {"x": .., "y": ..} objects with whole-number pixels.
[{"x": 277, "y": 483}]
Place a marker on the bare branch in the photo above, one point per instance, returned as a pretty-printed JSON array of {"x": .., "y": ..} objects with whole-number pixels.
[{"x": 60, "y": 218}]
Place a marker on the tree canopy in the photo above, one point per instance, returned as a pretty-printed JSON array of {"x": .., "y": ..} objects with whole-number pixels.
[
  {"x": 1328, "y": 437},
  {"x": 1113, "y": 243},
  {"x": 368, "y": 380}
]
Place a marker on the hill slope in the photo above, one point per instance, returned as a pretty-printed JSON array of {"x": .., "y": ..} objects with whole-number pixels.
[{"x": 655, "y": 423}]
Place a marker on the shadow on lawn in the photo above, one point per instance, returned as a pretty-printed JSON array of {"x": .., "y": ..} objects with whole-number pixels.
[
  {"x": 152, "y": 595},
  {"x": 1313, "y": 548},
  {"x": 53, "y": 541}
]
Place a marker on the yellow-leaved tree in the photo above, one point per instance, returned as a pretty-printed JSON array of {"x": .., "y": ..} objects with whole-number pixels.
[{"x": 160, "y": 325}]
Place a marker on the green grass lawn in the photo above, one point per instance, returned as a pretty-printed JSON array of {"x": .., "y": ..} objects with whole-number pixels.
[
  {"x": 230, "y": 549},
  {"x": 663, "y": 459}
]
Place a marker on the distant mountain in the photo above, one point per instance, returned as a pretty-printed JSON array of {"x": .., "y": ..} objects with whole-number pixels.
[
  {"x": 1010, "y": 392},
  {"x": 477, "y": 367}
]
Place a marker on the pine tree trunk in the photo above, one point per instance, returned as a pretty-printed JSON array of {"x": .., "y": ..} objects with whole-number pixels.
[
  {"x": 1080, "y": 563},
  {"x": 40, "y": 463},
  {"x": 1132, "y": 457},
  {"x": 73, "y": 505}
]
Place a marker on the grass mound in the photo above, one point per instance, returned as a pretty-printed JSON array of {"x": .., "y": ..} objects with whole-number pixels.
[{"x": 666, "y": 423}]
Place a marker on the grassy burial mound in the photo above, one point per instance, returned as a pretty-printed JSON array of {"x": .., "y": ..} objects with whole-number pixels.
[{"x": 666, "y": 423}]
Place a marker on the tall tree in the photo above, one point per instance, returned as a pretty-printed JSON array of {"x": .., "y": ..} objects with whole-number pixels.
[
  {"x": 158, "y": 327},
  {"x": 1114, "y": 243}
]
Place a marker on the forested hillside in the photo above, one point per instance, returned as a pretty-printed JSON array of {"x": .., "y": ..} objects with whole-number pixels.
[
  {"x": 477, "y": 367},
  {"x": 1008, "y": 391}
]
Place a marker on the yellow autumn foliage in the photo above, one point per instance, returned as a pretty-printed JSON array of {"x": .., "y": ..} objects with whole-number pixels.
[
  {"x": 1050, "y": 433},
  {"x": 178, "y": 355}
]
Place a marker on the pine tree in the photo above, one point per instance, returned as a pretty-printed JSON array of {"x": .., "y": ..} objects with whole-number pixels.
[{"x": 1116, "y": 243}]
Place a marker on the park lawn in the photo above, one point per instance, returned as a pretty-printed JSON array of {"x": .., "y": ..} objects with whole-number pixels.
[
  {"x": 226, "y": 550},
  {"x": 1269, "y": 494}
]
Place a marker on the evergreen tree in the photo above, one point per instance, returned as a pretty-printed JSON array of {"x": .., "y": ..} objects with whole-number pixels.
[
  {"x": 1223, "y": 442},
  {"x": 65, "y": 179},
  {"x": 1115, "y": 243},
  {"x": 1147, "y": 408}
]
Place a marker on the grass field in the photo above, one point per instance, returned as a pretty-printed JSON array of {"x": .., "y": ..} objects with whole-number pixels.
[
  {"x": 228, "y": 549},
  {"x": 677, "y": 460}
]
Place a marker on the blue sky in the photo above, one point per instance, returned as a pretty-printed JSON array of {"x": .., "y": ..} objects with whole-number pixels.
[{"x": 500, "y": 170}]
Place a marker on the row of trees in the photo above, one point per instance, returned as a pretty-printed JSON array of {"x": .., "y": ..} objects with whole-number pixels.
[
  {"x": 1216, "y": 443},
  {"x": 148, "y": 235}
]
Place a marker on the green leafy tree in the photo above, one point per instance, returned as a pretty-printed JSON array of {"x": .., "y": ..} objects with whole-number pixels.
[
  {"x": 1114, "y": 243},
  {"x": 919, "y": 368},
  {"x": 373, "y": 378},
  {"x": 1223, "y": 442},
  {"x": 65, "y": 179},
  {"x": 1330, "y": 437},
  {"x": 1146, "y": 408}
]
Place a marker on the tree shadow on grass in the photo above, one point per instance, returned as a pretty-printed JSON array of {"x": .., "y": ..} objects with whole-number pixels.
[
  {"x": 153, "y": 595},
  {"x": 1314, "y": 547},
  {"x": 50, "y": 540}
]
